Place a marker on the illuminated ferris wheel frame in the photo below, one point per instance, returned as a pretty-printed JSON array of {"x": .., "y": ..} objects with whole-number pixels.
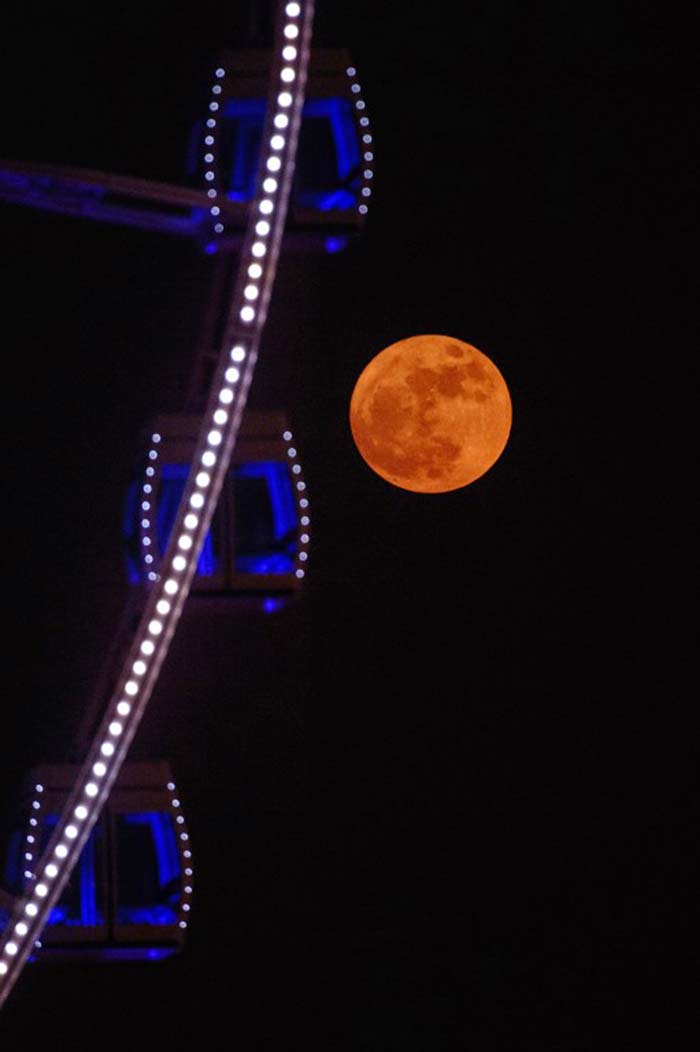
[{"x": 220, "y": 424}]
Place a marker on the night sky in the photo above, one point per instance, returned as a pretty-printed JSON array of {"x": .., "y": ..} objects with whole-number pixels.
[{"x": 419, "y": 801}]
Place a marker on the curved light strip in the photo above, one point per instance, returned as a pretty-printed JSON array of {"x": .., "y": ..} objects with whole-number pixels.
[
  {"x": 365, "y": 141},
  {"x": 211, "y": 145},
  {"x": 302, "y": 505},
  {"x": 212, "y": 455}
]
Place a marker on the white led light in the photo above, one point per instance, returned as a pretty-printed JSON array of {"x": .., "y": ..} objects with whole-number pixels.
[
  {"x": 303, "y": 503},
  {"x": 147, "y": 487},
  {"x": 123, "y": 709},
  {"x": 107, "y": 749},
  {"x": 188, "y": 871},
  {"x": 175, "y": 803},
  {"x": 184, "y": 542},
  {"x": 190, "y": 523},
  {"x": 51, "y": 870},
  {"x": 281, "y": 120},
  {"x": 367, "y": 173},
  {"x": 216, "y": 90},
  {"x": 196, "y": 501},
  {"x": 155, "y": 438},
  {"x": 299, "y": 574},
  {"x": 292, "y": 10},
  {"x": 367, "y": 138},
  {"x": 226, "y": 394},
  {"x": 211, "y": 193},
  {"x": 247, "y": 314},
  {"x": 3, "y": 967},
  {"x": 258, "y": 249},
  {"x": 150, "y": 472},
  {"x": 155, "y": 627},
  {"x": 220, "y": 417},
  {"x": 81, "y": 812},
  {"x": 359, "y": 104},
  {"x": 187, "y": 854},
  {"x": 214, "y": 210},
  {"x": 185, "y": 906},
  {"x": 147, "y": 647},
  {"x": 364, "y": 121},
  {"x": 289, "y": 53},
  {"x": 60, "y": 851},
  {"x": 287, "y": 436},
  {"x": 182, "y": 924},
  {"x": 145, "y": 505},
  {"x": 301, "y": 486},
  {"x": 180, "y": 820},
  {"x": 202, "y": 479},
  {"x": 115, "y": 728},
  {"x": 21, "y": 928},
  {"x": 251, "y": 292},
  {"x": 304, "y": 538},
  {"x": 132, "y": 686},
  {"x": 273, "y": 164},
  {"x": 287, "y": 75},
  {"x": 209, "y": 140},
  {"x": 303, "y": 556},
  {"x": 209, "y": 459},
  {"x": 99, "y": 769},
  {"x": 269, "y": 185},
  {"x": 184, "y": 836},
  {"x": 31, "y": 909},
  {"x": 219, "y": 228},
  {"x": 187, "y": 889},
  {"x": 237, "y": 354},
  {"x": 291, "y": 452},
  {"x": 296, "y": 469},
  {"x": 368, "y": 155},
  {"x": 255, "y": 270},
  {"x": 209, "y": 176},
  {"x": 148, "y": 559},
  {"x": 355, "y": 88},
  {"x": 291, "y": 32},
  {"x": 262, "y": 227},
  {"x": 220, "y": 72},
  {"x": 41, "y": 890},
  {"x": 152, "y": 455},
  {"x": 351, "y": 71},
  {"x": 11, "y": 949},
  {"x": 284, "y": 99},
  {"x": 171, "y": 586},
  {"x": 266, "y": 206},
  {"x": 138, "y": 668},
  {"x": 213, "y": 106},
  {"x": 162, "y": 607},
  {"x": 232, "y": 375},
  {"x": 366, "y": 191},
  {"x": 362, "y": 209},
  {"x": 71, "y": 832}
]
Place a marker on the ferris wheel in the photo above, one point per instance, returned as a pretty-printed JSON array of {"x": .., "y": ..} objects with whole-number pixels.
[{"x": 218, "y": 509}]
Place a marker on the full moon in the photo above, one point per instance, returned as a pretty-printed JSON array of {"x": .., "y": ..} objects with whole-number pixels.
[{"x": 430, "y": 414}]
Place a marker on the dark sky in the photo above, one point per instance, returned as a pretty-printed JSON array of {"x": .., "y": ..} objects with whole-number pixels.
[{"x": 417, "y": 798}]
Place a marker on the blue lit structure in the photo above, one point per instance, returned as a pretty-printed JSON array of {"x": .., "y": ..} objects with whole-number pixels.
[
  {"x": 129, "y": 895},
  {"x": 332, "y": 182},
  {"x": 256, "y": 546}
]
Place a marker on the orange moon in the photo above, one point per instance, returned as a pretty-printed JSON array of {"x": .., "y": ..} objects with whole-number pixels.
[{"x": 430, "y": 414}]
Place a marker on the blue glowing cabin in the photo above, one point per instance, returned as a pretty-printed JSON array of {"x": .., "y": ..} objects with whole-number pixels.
[
  {"x": 334, "y": 167},
  {"x": 256, "y": 550},
  {"x": 129, "y": 896}
]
